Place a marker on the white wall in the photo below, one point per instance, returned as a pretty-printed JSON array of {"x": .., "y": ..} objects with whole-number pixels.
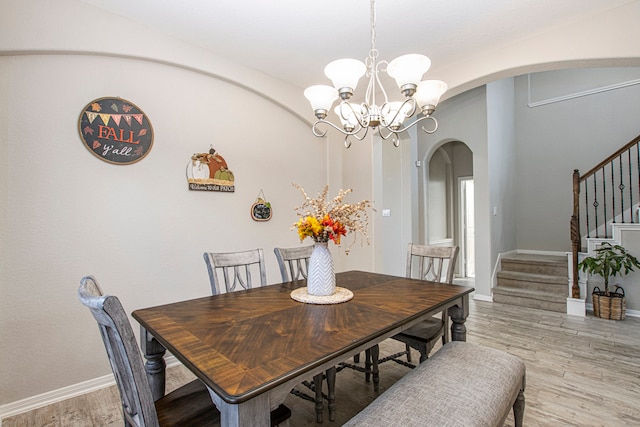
[
  {"x": 600, "y": 40},
  {"x": 394, "y": 194},
  {"x": 357, "y": 174},
  {"x": 73, "y": 27},
  {"x": 138, "y": 228}
]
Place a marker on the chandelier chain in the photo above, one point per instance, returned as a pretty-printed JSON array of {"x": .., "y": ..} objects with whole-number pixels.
[{"x": 373, "y": 53}]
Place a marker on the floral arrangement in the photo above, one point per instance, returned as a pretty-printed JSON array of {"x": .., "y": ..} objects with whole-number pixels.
[{"x": 324, "y": 220}]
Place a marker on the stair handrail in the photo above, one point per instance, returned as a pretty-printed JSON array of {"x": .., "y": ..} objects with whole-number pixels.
[
  {"x": 609, "y": 159},
  {"x": 575, "y": 217}
]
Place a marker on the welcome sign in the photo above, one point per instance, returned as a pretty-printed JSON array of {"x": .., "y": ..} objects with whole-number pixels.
[{"x": 115, "y": 130}]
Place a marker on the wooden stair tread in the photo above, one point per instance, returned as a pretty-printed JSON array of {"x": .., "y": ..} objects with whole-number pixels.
[
  {"x": 536, "y": 258},
  {"x": 532, "y": 294},
  {"x": 533, "y": 277}
]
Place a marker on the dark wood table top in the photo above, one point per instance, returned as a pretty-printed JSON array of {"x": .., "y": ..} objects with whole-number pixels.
[{"x": 243, "y": 343}]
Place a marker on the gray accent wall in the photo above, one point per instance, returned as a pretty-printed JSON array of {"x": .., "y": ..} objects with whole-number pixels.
[
  {"x": 523, "y": 157},
  {"x": 502, "y": 166},
  {"x": 462, "y": 118},
  {"x": 554, "y": 139}
]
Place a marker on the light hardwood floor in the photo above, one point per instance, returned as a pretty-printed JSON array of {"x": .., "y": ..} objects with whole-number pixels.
[{"x": 580, "y": 372}]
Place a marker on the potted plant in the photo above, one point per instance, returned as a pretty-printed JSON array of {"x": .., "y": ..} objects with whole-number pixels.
[{"x": 609, "y": 260}]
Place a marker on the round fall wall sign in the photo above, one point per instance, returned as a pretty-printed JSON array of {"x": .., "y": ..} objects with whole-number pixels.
[{"x": 115, "y": 130}]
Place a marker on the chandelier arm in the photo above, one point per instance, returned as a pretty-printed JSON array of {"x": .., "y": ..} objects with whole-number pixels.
[
  {"x": 353, "y": 133},
  {"x": 360, "y": 138},
  {"x": 366, "y": 115},
  {"x": 315, "y": 130},
  {"x": 435, "y": 124},
  {"x": 360, "y": 117},
  {"x": 384, "y": 92},
  {"x": 411, "y": 101},
  {"x": 347, "y": 142},
  {"x": 395, "y": 140},
  {"x": 387, "y": 136},
  {"x": 370, "y": 96},
  {"x": 421, "y": 119}
]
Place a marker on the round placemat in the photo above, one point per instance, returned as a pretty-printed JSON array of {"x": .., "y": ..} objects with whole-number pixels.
[{"x": 341, "y": 295}]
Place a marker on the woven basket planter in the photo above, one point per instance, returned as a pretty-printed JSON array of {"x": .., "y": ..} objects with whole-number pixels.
[{"x": 612, "y": 306}]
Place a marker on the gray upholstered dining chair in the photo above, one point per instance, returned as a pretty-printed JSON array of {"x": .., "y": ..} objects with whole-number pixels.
[
  {"x": 293, "y": 262},
  {"x": 429, "y": 265},
  {"x": 436, "y": 264},
  {"x": 236, "y": 269},
  {"x": 188, "y": 405}
]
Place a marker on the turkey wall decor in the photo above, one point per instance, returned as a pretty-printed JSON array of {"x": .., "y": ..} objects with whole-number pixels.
[
  {"x": 115, "y": 130},
  {"x": 209, "y": 172}
]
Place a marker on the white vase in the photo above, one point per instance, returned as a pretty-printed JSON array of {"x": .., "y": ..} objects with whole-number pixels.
[{"x": 321, "y": 278}]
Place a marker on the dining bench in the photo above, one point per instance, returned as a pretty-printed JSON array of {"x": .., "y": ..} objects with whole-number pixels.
[{"x": 462, "y": 384}]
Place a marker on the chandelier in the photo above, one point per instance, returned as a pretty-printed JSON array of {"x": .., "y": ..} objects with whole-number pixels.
[{"x": 389, "y": 117}]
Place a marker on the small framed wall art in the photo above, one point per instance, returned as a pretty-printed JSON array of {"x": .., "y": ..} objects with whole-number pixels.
[
  {"x": 261, "y": 209},
  {"x": 115, "y": 130}
]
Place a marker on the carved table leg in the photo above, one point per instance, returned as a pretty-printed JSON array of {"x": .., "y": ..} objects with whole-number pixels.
[
  {"x": 375, "y": 355},
  {"x": 317, "y": 384},
  {"x": 367, "y": 365},
  {"x": 155, "y": 365},
  {"x": 331, "y": 385},
  {"x": 458, "y": 317},
  {"x": 371, "y": 366}
]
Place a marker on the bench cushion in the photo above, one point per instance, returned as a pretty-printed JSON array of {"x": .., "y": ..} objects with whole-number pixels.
[{"x": 462, "y": 384}]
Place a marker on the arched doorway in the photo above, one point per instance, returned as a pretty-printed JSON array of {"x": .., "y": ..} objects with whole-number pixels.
[{"x": 448, "y": 203}]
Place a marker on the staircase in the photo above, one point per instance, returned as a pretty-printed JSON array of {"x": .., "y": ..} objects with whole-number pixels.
[
  {"x": 607, "y": 194},
  {"x": 535, "y": 281}
]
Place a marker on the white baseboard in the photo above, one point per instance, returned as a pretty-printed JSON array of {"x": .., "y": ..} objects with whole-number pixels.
[
  {"x": 44, "y": 399},
  {"x": 481, "y": 297},
  {"x": 576, "y": 307},
  {"x": 64, "y": 393}
]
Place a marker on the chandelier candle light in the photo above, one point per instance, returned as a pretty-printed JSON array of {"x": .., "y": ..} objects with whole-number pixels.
[
  {"x": 325, "y": 221},
  {"x": 388, "y": 118}
]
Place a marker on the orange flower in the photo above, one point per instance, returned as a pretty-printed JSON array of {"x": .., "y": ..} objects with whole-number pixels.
[{"x": 324, "y": 220}]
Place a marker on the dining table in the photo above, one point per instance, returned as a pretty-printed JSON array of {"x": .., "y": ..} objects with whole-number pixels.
[{"x": 251, "y": 347}]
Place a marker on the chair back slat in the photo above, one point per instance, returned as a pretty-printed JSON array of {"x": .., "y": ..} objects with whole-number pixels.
[
  {"x": 293, "y": 262},
  {"x": 432, "y": 260},
  {"x": 236, "y": 270},
  {"x": 123, "y": 352}
]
